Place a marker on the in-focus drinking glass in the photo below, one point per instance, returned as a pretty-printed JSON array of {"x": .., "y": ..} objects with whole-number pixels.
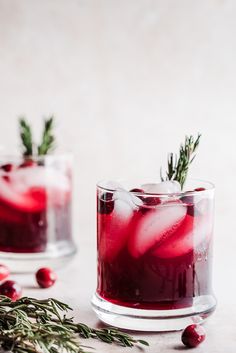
[
  {"x": 35, "y": 212},
  {"x": 154, "y": 269}
]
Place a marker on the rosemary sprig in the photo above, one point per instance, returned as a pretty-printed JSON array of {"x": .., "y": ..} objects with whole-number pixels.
[
  {"x": 178, "y": 166},
  {"x": 48, "y": 140},
  {"x": 30, "y": 325},
  {"x": 108, "y": 335},
  {"x": 26, "y": 137}
]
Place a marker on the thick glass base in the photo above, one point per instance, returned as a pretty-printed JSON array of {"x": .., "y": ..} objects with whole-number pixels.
[
  {"x": 55, "y": 256},
  {"x": 153, "y": 320}
]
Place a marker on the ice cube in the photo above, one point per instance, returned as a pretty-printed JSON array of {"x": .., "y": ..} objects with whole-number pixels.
[
  {"x": 18, "y": 200},
  {"x": 114, "y": 229},
  {"x": 123, "y": 209},
  {"x": 156, "y": 225},
  {"x": 165, "y": 187},
  {"x": 193, "y": 232},
  {"x": 27, "y": 187},
  {"x": 128, "y": 197},
  {"x": 24, "y": 178}
]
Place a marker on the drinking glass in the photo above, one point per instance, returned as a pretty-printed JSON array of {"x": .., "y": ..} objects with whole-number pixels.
[
  {"x": 154, "y": 269},
  {"x": 35, "y": 212}
]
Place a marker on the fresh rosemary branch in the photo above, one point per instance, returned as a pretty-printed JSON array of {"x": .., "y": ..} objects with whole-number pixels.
[
  {"x": 29, "y": 325},
  {"x": 178, "y": 166},
  {"x": 48, "y": 139},
  {"x": 26, "y": 137}
]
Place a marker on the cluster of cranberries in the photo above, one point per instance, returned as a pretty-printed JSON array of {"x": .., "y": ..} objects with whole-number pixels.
[
  {"x": 45, "y": 278},
  {"x": 10, "y": 167},
  {"x": 106, "y": 202},
  {"x": 7, "y": 168}
]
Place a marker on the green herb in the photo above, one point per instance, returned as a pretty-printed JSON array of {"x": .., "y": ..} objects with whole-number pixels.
[
  {"x": 26, "y": 137},
  {"x": 31, "y": 326},
  {"x": 178, "y": 166},
  {"x": 48, "y": 139}
]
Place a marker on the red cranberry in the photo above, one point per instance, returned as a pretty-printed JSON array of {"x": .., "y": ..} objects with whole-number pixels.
[
  {"x": 191, "y": 210},
  {"x": 199, "y": 189},
  {"x": 7, "y": 167},
  {"x": 6, "y": 178},
  {"x": 106, "y": 203},
  {"x": 11, "y": 289},
  {"x": 140, "y": 191},
  {"x": 193, "y": 335},
  {"x": 137, "y": 190},
  {"x": 27, "y": 163},
  {"x": 151, "y": 201},
  {"x": 189, "y": 201},
  {"x": 46, "y": 277},
  {"x": 4, "y": 272}
]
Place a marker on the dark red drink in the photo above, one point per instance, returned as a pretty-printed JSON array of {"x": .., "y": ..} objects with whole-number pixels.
[
  {"x": 35, "y": 202},
  {"x": 154, "y": 251}
]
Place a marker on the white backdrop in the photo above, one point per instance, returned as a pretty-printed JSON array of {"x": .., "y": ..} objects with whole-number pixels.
[{"x": 126, "y": 81}]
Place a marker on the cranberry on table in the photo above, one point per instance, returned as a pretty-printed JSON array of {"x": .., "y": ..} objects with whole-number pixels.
[
  {"x": 11, "y": 289},
  {"x": 46, "y": 277},
  {"x": 4, "y": 272},
  {"x": 193, "y": 335}
]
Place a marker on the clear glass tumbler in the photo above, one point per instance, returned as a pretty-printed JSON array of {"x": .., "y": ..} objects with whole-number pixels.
[
  {"x": 154, "y": 257},
  {"x": 35, "y": 212}
]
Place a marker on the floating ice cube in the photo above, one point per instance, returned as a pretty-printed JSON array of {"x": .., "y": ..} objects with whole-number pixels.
[
  {"x": 115, "y": 231},
  {"x": 193, "y": 234},
  {"x": 18, "y": 200},
  {"x": 128, "y": 197},
  {"x": 122, "y": 209},
  {"x": 25, "y": 178},
  {"x": 155, "y": 226},
  {"x": 165, "y": 187}
]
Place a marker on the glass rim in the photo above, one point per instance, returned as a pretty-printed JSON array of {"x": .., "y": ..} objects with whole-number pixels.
[
  {"x": 15, "y": 157},
  {"x": 211, "y": 187}
]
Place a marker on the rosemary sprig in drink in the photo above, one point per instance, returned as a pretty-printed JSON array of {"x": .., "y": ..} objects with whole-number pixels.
[
  {"x": 26, "y": 137},
  {"x": 48, "y": 140},
  {"x": 30, "y": 325},
  {"x": 178, "y": 166}
]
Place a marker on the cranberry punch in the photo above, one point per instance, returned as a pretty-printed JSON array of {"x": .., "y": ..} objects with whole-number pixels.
[
  {"x": 154, "y": 254},
  {"x": 35, "y": 211}
]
